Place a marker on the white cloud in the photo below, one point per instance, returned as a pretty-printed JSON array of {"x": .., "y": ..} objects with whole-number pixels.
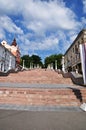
[
  {"x": 47, "y": 43},
  {"x": 2, "y": 34},
  {"x": 42, "y": 16},
  {"x": 11, "y": 6},
  {"x": 84, "y": 6},
  {"x": 72, "y": 38},
  {"x": 7, "y": 24},
  {"x": 38, "y": 17},
  {"x": 83, "y": 21}
]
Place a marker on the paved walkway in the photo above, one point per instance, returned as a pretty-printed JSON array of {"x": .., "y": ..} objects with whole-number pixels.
[{"x": 24, "y": 120}]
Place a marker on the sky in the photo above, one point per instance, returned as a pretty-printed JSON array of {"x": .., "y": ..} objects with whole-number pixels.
[{"x": 42, "y": 27}]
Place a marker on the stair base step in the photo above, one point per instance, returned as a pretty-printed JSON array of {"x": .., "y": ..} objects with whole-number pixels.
[{"x": 39, "y": 108}]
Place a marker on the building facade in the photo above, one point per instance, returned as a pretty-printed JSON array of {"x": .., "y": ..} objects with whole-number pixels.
[
  {"x": 7, "y": 59},
  {"x": 14, "y": 49},
  {"x": 72, "y": 58}
]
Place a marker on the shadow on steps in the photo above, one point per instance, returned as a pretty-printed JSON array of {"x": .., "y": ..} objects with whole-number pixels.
[{"x": 78, "y": 94}]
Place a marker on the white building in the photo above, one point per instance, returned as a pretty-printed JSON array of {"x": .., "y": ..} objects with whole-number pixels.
[
  {"x": 7, "y": 59},
  {"x": 14, "y": 49}
]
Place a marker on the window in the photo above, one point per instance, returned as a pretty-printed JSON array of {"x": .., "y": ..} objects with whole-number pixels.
[
  {"x": 82, "y": 40},
  {"x": 76, "y": 49},
  {"x": 78, "y": 43}
]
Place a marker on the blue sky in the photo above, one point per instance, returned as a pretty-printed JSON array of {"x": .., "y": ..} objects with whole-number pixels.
[{"x": 42, "y": 27}]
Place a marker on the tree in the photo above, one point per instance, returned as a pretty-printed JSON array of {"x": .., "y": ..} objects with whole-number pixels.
[
  {"x": 52, "y": 59},
  {"x": 26, "y": 60},
  {"x": 35, "y": 59}
]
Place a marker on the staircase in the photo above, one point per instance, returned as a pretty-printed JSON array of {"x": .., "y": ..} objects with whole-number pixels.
[
  {"x": 73, "y": 96},
  {"x": 36, "y": 76},
  {"x": 48, "y": 97}
]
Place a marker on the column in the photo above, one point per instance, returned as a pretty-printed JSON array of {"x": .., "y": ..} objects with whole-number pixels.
[
  {"x": 23, "y": 64},
  {"x": 55, "y": 64},
  {"x": 10, "y": 63},
  {"x": 51, "y": 66},
  {"x": 30, "y": 65},
  {"x": 63, "y": 66}
]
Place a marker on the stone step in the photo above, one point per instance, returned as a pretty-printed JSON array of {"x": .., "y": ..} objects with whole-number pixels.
[
  {"x": 36, "y": 76},
  {"x": 57, "y": 91},
  {"x": 28, "y": 96},
  {"x": 36, "y": 101}
]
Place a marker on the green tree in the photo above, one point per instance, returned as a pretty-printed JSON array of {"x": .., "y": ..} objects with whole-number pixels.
[
  {"x": 35, "y": 59},
  {"x": 52, "y": 59},
  {"x": 26, "y": 60}
]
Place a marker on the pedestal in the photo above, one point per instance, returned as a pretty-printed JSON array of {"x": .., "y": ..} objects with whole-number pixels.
[
  {"x": 23, "y": 64},
  {"x": 83, "y": 107}
]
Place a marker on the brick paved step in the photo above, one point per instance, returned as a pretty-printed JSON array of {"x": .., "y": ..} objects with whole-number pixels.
[
  {"x": 36, "y": 76},
  {"x": 34, "y": 99},
  {"x": 28, "y": 96},
  {"x": 43, "y": 92}
]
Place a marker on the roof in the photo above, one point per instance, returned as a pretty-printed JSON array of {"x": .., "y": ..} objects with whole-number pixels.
[
  {"x": 6, "y": 49},
  {"x": 14, "y": 43}
]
